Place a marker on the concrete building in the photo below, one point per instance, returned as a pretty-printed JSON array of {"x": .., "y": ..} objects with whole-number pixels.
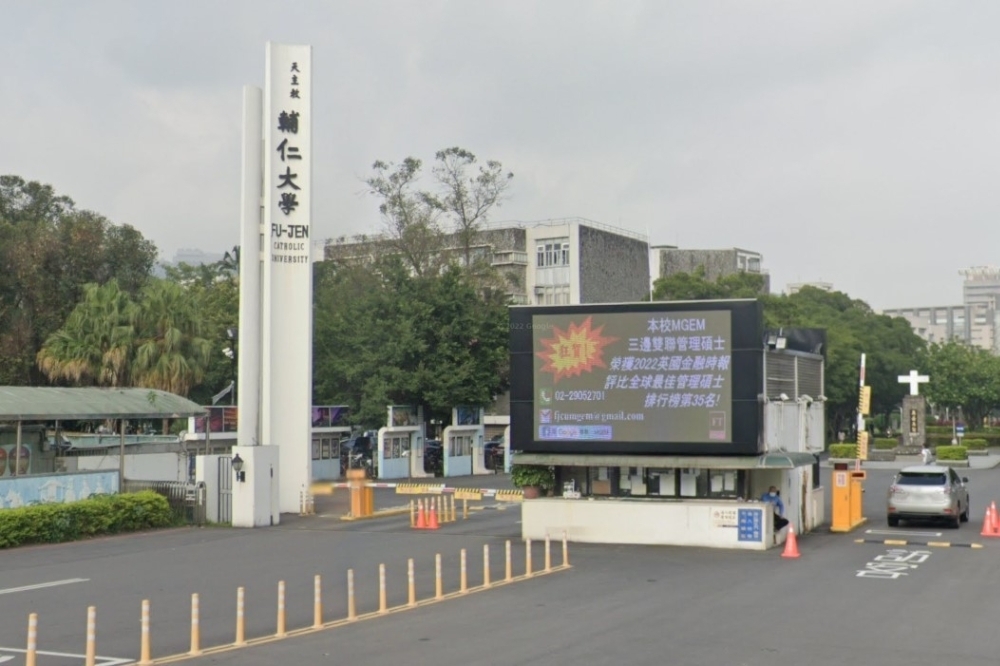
[
  {"x": 550, "y": 262},
  {"x": 667, "y": 260},
  {"x": 795, "y": 287},
  {"x": 976, "y": 322}
]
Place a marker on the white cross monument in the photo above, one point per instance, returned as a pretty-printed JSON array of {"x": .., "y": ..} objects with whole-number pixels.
[{"x": 914, "y": 379}]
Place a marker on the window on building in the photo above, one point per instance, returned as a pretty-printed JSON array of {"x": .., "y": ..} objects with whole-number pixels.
[
  {"x": 753, "y": 265},
  {"x": 550, "y": 254}
]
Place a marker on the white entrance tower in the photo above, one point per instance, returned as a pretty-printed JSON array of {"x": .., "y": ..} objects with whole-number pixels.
[{"x": 275, "y": 350}]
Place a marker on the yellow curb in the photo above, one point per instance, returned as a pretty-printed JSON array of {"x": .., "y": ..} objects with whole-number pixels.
[{"x": 262, "y": 640}]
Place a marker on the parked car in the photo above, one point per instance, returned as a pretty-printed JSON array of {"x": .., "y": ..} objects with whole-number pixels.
[{"x": 928, "y": 492}]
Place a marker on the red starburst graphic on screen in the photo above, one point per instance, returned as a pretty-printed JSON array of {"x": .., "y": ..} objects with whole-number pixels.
[{"x": 574, "y": 351}]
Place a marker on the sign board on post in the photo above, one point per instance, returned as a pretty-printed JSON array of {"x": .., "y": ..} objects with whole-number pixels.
[
  {"x": 287, "y": 285},
  {"x": 863, "y": 445}
]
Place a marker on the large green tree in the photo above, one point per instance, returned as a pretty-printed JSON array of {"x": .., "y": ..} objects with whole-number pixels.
[
  {"x": 213, "y": 292},
  {"x": 109, "y": 339},
  {"x": 890, "y": 346},
  {"x": 963, "y": 379},
  {"x": 695, "y": 286},
  {"x": 426, "y": 225},
  {"x": 852, "y": 328},
  {"x": 49, "y": 250},
  {"x": 383, "y": 335}
]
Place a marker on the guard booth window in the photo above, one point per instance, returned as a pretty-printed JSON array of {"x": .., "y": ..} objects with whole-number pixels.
[
  {"x": 461, "y": 445},
  {"x": 397, "y": 447}
]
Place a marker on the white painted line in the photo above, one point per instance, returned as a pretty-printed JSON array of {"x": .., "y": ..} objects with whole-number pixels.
[
  {"x": 101, "y": 661},
  {"x": 39, "y": 586},
  {"x": 903, "y": 532}
]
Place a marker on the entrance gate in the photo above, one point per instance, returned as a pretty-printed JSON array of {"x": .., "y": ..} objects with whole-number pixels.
[{"x": 225, "y": 489}]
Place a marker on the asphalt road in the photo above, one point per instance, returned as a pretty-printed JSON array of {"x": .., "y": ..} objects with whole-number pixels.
[{"x": 636, "y": 605}]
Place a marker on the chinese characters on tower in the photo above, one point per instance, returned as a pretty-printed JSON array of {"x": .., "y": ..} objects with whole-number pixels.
[{"x": 289, "y": 235}]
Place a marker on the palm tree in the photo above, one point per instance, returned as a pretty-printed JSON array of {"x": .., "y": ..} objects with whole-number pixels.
[
  {"x": 95, "y": 345},
  {"x": 170, "y": 353}
]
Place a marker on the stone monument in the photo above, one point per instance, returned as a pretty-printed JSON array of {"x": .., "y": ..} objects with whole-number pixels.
[{"x": 914, "y": 425}]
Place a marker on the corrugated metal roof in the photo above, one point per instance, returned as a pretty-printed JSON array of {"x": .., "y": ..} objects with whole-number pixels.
[{"x": 34, "y": 403}]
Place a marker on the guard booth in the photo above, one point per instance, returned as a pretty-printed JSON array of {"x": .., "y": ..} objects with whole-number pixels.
[
  {"x": 329, "y": 426},
  {"x": 847, "y": 498},
  {"x": 401, "y": 444},
  {"x": 463, "y": 443}
]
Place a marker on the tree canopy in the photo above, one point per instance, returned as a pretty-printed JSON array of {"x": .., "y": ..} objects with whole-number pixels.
[
  {"x": 383, "y": 335},
  {"x": 852, "y": 327},
  {"x": 49, "y": 250},
  {"x": 963, "y": 378}
]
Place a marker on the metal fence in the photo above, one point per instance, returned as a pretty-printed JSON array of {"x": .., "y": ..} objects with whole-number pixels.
[{"x": 187, "y": 500}]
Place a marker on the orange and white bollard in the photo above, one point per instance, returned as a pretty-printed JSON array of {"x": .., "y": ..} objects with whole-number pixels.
[
  {"x": 145, "y": 650},
  {"x": 31, "y": 655},
  {"x": 464, "y": 582},
  {"x": 508, "y": 564},
  {"x": 195, "y": 626},
  {"x": 438, "y": 584},
  {"x": 317, "y": 602},
  {"x": 90, "y": 656},
  {"x": 281, "y": 609},
  {"x": 486, "y": 565},
  {"x": 565, "y": 545},
  {"x": 240, "y": 618},
  {"x": 382, "y": 607},
  {"x": 411, "y": 583},
  {"x": 527, "y": 558},
  {"x": 548, "y": 553},
  {"x": 352, "y": 609}
]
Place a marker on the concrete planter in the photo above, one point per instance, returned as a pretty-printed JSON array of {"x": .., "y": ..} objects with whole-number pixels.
[
  {"x": 978, "y": 452},
  {"x": 881, "y": 455}
]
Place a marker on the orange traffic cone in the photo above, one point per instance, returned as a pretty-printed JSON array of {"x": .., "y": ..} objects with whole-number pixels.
[
  {"x": 987, "y": 530},
  {"x": 996, "y": 519},
  {"x": 791, "y": 543},
  {"x": 421, "y": 522},
  {"x": 432, "y": 524}
]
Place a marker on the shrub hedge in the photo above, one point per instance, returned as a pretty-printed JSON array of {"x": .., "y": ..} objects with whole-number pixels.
[
  {"x": 952, "y": 453},
  {"x": 976, "y": 443},
  {"x": 843, "y": 450},
  {"x": 104, "y": 514},
  {"x": 884, "y": 443}
]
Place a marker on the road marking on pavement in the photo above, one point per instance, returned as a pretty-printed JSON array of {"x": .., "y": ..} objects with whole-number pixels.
[
  {"x": 40, "y": 586},
  {"x": 100, "y": 661},
  {"x": 904, "y": 533},
  {"x": 894, "y": 564},
  {"x": 935, "y": 544}
]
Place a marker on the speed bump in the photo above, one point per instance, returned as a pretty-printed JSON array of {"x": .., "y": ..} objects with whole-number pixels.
[{"x": 932, "y": 544}]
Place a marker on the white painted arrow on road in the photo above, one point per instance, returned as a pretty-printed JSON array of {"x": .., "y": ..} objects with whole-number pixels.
[{"x": 40, "y": 586}]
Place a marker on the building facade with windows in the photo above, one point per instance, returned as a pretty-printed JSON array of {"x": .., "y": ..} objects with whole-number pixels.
[
  {"x": 549, "y": 262},
  {"x": 975, "y": 322},
  {"x": 665, "y": 260}
]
